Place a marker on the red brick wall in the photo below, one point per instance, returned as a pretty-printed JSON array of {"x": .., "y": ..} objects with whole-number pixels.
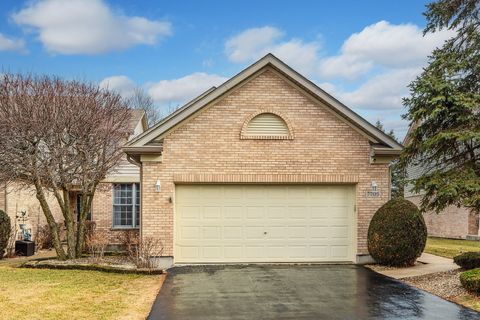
[
  {"x": 102, "y": 209},
  {"x": 451, "y": 223},
  {"x": 208, "y": 148}
]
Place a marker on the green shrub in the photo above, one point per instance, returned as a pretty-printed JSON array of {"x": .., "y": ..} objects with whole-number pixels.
[
  {"x": 468, "y": 260},
  {"x": 5, "y": 230},
  {"x": 471, "y": 280},
  {"x": 397, "y": 233}
]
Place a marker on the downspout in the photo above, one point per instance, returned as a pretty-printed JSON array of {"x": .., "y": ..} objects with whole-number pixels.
[{"x": 133, "y": 161}]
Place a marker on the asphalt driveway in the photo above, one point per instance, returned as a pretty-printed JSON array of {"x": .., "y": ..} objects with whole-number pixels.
[{"x": 295, "y": 292}]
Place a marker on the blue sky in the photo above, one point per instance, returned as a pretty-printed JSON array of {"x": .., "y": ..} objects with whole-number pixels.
[{"x": 362, "y": 52}]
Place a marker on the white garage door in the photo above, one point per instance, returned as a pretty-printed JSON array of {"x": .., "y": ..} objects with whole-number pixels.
[{"x": 264, "y": 223}]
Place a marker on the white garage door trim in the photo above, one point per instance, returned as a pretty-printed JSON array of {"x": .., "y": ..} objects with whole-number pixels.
[{"x": 264, "y": 223}]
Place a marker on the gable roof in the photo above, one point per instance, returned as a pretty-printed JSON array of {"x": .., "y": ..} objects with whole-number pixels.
[
  {"x": 137, "y": 115},
  {"x": 144, "y": 143}
]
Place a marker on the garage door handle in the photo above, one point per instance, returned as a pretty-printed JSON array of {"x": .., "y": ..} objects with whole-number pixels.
[{"x": 265, "y": 232}]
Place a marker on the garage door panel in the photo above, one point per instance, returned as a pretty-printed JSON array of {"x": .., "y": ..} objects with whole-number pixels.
[
  {"x": 230, "y": 212},
  {"x": 232, "y": 252},
  {"x": 255, "y": 213},
  {"x": 188, "y": 212},
  {"x": 339, "y": 251},
  {"x": 297, "y": 232},
  {"x": 212, "y": 233},
  {"x": 275, "y": 251},
  {"x": 212, "y": 212},
  {"x": 262, "y": 223},
  {"x": 276, "y": 193},
  {"x": 276, "y": 213},
  {"x": 254, "y": 232},
  {"x": 254, "y": 252},
  {"x": 212, "y": 252},
  {"x": 232, "y": 233},
  {"x": 298, "y": 212},
  {"x": 190, "y": 232},
  {"x": 319, "y": 252},
  {"x": 276, "y": 232},
  {"x": 319, "y": 232}
]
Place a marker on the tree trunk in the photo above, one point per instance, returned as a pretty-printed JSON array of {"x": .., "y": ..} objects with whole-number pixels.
[
  {"x": 70, "y": 224},
  {"x": 57, "y": 244},
  {"x": 86, "y": 205}
]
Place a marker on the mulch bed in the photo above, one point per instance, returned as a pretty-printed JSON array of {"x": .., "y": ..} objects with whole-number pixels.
[{"x": 112, "y": 264}]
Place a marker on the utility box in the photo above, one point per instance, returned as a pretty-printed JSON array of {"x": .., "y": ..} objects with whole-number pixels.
[{"x": 25, "y": 248}]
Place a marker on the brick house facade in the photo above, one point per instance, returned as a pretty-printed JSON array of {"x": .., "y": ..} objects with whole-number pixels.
[
  {"x": 453, "y": 222},
  {"x": 203, "y": 144}
]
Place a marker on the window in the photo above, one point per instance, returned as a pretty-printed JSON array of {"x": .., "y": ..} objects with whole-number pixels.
[
  {"x": 266, "y": 126},
  {"x": 126, "y": 205}
]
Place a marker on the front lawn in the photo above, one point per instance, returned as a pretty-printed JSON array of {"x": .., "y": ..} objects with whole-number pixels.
[
  {"x": 450, "y": 247},
  {"x": 74, "y": 294}
]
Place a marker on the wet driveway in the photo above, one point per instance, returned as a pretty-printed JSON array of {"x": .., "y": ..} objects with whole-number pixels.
[{"x": 295, "y": 292}]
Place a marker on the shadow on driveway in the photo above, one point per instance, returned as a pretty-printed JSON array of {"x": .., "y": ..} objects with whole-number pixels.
[{"x": 295, "y": 292}]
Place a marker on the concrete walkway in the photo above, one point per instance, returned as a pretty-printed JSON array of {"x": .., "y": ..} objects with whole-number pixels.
[{"x": 426, "y": 264}]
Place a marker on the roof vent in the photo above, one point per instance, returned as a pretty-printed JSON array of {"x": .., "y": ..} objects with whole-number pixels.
[{"x": 266, "y": 126}]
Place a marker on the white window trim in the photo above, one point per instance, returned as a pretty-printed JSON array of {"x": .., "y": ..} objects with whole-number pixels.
[{"x": 134, "y": 205}]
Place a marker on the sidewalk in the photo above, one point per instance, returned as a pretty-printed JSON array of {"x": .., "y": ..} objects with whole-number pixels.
[{"x": 426, "y": 264}]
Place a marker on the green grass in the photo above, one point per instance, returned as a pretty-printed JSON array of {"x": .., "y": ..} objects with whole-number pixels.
[
  {"x": 450, "y": 247},
  {"x": 74, "y": 294}
]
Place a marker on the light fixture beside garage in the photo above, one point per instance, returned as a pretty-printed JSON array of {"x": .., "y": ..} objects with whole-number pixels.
[{"x": 158, "y": 186}]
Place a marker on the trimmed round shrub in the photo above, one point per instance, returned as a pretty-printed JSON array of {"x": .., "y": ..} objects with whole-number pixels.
[
  {"x": 471, "y": 280},
  {"x": 5, "y": 230},
  {"x": 397, "y": 233},
  {"x": 468, "y": 260}
]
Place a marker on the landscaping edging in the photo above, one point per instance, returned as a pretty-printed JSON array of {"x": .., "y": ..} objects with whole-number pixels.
[{"x": 45, "y": 264}]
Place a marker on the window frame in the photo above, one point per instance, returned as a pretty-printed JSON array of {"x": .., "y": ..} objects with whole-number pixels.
[{"x": 135, "y": 205}]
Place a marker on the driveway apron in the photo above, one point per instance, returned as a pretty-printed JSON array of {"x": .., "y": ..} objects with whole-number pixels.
[{"x": 295, "y": 292}]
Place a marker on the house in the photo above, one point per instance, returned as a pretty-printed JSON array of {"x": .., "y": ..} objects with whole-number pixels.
[
  {"x": 267, "y": 167},
  {"x": 115, "y": 206},
  {"x": 453, "y": 222}
]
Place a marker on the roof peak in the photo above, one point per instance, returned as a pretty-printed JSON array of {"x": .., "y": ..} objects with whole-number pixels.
[{"x": 375, "y": 135}]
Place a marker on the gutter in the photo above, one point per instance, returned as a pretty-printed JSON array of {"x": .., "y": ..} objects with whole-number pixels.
[
  {"x": 143, "y": 150},
  {"x": 386, "y": 152}
]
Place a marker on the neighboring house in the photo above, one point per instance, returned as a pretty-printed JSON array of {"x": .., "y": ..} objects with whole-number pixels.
[
  {"x": 267, "y": 167},
  {"x": 115, "y": 206},
  {"x": 453, "y": 222}
]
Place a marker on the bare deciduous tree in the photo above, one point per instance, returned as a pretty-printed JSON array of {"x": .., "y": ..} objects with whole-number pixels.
[
  {"x": 141, "y": 100},
  {"x": 60, "y": 137}
]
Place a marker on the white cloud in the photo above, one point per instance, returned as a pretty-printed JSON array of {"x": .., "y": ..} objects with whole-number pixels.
[
  {"x": 383, "y": 91},
  {"x": 378, "y": 45},
  {"x": 87, "y": 26},
  {"x": 254, "y": 43},
  {"x": 165, "y": 92},
  {"x": 183, "y": 89},
  {"x": 251, "y": 43},
  {"x": 379, "y": 98},
  {"x": 121, "y": 84},
  {"x": 382, "y": 44},
  {"x": 11, "y": 44}
]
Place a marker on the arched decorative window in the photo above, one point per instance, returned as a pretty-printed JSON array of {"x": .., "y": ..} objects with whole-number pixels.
[{"x": 266, "y": 125}]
